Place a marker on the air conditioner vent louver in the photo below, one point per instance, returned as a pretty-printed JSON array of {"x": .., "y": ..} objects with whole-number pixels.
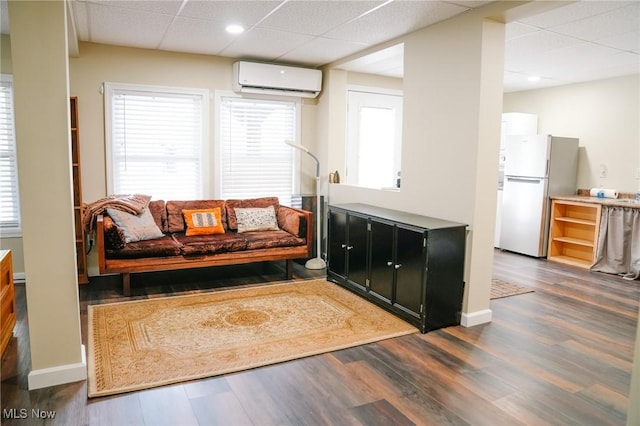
[{"x": 255, "y": 77}]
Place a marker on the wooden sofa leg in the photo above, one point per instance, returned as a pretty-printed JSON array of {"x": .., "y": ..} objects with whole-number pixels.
[
  {"x": 126, "y": 284},
  {"x": 289, "y": 269}
]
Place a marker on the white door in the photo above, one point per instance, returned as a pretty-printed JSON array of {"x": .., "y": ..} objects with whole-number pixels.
[{"x": 374, "y": 132}]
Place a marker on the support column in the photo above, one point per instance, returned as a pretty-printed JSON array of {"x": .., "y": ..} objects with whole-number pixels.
[{"x": 41, "y": 90}]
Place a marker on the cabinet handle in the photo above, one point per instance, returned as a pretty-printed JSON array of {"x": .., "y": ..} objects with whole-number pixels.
[
  {"x": 398, "y": 266},
  {"x": 389, "y": 263},
  {"x": 343, "y": 245},
  {"x": 349, "y": 248}
]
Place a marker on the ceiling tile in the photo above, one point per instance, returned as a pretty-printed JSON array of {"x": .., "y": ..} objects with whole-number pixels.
[
  {"x": 320, "y": 51},
  {"x": 126, "y": 27},
  {"x": 316, "y": 17},
  {"x": 574, "y": 11},
  {"x": 517, "y": 29},
  {"x": 609, "y": 24},
  {"x": 264, "y": 44},
  {"x": 395, "y": 19},
  {"x": 628, "y": 41},
  {"x": 164, "y": 7},
  {"x": 196, "y": 36},
  {"x": 82, "y": 20},
  {"x": 4, "y": 17},
  {"x": 247, "y": 13},
  {"x": 522, "y": 52}
]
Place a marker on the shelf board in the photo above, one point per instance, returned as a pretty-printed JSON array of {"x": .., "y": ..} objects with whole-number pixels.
[
  {"x": 575, "y": 220},
  {"x": 575, "y": 241},
  {"x": 570, "y": 261}
]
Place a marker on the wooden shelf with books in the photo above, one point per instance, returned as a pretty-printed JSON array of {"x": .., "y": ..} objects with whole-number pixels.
[
  {"x": 573, "y": 233},
  {"x": 83, "y": 276}
]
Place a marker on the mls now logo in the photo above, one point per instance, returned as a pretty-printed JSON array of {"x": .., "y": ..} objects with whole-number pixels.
[{"x": 23, "y": 413}]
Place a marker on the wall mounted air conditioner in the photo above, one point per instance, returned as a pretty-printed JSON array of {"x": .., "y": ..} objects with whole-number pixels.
[{"x": 273, "y": 79}]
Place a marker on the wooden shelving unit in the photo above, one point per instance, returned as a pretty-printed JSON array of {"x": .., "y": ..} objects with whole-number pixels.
[
  {"x": 83, "y": 277},
  {"x": 573, "y": 234},
  {"x": 7, "y": 299}
]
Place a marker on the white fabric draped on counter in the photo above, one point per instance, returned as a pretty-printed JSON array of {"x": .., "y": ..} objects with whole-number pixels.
[{"x": 618, "y": 250}]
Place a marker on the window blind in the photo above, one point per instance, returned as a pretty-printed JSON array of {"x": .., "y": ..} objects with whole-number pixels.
[
  {"x": 156, "y": 143},
  {"x": 254, "y": 159},
  {"x": 9, "y": 199}
]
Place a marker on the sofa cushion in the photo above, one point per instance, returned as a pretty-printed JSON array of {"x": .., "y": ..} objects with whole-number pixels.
[
  {"x": 210, "y": 244},
  {"x": 176, "y": 219},
  {"x": 252, "y": 219},
  {"x": 165, "y": 246},
  {"x": 252, "y": 202},
  {"x": 203, "y": 222},
  {"x": 159, "y": 212},
  {"x": 136, "y": 227},
  {"x": 270, "y": 239}
]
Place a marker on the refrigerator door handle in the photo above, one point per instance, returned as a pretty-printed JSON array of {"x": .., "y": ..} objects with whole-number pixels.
[{"x": 524, "y": 180}]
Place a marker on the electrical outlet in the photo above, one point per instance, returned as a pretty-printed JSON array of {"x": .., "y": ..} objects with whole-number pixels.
[{"x": 603, "y": 171}]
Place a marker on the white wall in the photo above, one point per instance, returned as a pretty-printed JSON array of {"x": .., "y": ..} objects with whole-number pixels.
[{"x": 604, "y": 114}]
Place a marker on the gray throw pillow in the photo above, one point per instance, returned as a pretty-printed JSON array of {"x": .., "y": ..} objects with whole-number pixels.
[{"x": 136, "y": 228}]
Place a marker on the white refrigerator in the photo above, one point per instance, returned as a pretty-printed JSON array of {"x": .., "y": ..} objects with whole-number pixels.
[{"x": 536, "y": 167}]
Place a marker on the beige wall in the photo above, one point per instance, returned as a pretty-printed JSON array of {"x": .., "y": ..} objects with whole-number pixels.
[
  {"x": 451, "y": 127},
  {"x": 604, "y": 114},
  {"x": 101, "y": 63}
]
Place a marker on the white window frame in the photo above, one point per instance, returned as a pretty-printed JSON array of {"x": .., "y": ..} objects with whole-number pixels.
[
  {"x": 13, "y": 230},
  {"x": 219, "y": 95},
  {"x": 111, "y": 87}
]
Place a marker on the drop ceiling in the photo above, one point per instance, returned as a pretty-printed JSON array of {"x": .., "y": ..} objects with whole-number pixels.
[{"x": 579, "y": 41}]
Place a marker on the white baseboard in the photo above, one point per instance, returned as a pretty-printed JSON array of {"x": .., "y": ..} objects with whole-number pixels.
[
  {"x": 59, "y": 375},
  {"x": 475, "y": 318}
]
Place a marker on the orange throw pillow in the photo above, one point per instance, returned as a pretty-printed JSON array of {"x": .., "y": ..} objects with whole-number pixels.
[{"x": 203, "y": 221}]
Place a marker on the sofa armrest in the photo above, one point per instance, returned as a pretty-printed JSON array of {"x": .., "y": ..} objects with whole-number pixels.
[
  {"x": 100, "y": 243},
  {"x": 292, "y": 220}
]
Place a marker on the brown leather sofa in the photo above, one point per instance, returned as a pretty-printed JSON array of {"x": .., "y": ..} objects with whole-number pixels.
[{"x": 174, "y": 249}]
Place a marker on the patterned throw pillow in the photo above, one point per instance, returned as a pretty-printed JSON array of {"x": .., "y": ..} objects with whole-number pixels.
[
  {"x": 256, "y": 219},
  {"x": 136, "y": 228},
  {"x": 203, "y": 221}
]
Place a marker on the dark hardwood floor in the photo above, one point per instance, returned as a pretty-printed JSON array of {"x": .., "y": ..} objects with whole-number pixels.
[{"x": 561, "y": 355}]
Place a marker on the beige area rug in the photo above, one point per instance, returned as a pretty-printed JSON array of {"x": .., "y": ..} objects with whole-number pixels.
[
  {"x": 500, "y": 289},
  {"x": 142, "y": 344}
]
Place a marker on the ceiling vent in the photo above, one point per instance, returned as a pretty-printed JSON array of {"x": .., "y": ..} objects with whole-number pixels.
[{"x": 273, "y": 79}]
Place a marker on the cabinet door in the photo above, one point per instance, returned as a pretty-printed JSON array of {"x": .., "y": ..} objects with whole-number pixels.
[
  {"x": 337, "y": 241},
  {"x": 382, "y": 264},
  {"x": 357, "y": 250},
  {"x": 409, "y": 270}
]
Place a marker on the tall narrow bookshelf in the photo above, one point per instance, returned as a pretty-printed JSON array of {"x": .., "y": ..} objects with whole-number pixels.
[{"x": 83, "y": 277}]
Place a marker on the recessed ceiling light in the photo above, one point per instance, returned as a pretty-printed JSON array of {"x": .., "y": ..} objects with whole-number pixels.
[
  {"x": 234, "y": 29},
  {"x": 533, "y": 78}
]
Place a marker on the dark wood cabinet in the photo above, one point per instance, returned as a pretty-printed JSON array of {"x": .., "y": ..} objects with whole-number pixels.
[
  {"x": 408, "y": 264},
  {"x": 348, "y": 247}
]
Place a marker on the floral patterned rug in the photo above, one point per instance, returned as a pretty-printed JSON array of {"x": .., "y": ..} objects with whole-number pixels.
[{"x": 142, "y": 344}]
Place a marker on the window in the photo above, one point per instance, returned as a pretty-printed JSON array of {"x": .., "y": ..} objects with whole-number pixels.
[
  {"x": 374, "y": 139},
  {"x": 254, "y": 160},
  {"x": 156, "y": 141},
  {"x": 9, "y": 198}
]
